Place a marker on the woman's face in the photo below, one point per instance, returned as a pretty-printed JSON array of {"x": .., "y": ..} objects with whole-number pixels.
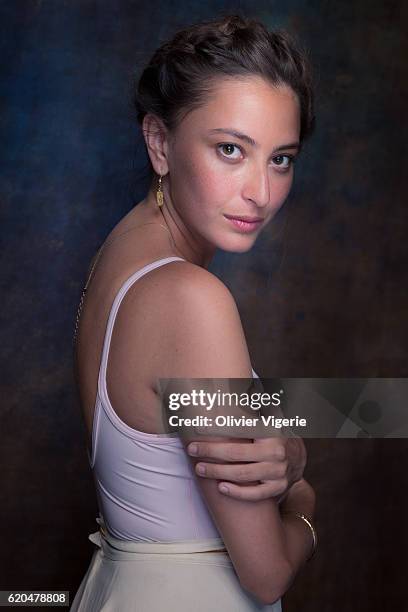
[{"x": 232, "y": 158}]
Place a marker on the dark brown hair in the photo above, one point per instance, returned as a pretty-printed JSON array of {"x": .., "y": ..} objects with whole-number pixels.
[{"x": 183, "y": 71}]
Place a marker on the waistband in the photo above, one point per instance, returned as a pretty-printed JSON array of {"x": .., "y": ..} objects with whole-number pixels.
[{"x": 103, "y": 538}]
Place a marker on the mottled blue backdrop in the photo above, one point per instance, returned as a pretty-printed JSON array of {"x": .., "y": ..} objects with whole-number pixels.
[{"x": 324, "y": 293}]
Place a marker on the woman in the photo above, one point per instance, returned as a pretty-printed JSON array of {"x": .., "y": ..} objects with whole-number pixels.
[{"x": 224, "y": 107}]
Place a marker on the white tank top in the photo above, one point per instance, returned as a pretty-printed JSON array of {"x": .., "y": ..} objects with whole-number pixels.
[{"x": 146, "y": 486}]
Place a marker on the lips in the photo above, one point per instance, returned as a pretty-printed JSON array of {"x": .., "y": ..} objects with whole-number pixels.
[
  {"x": 244, "y": 218},
  {"x": 245, "y": 224}
]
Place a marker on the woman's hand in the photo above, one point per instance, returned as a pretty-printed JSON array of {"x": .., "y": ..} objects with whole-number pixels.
[{"x": 276, "y": 462}]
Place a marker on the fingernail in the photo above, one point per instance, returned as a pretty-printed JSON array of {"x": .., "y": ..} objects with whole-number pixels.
[
  {"x": 224, "y": 489},
  {"x": 200, "y": 468},
  {"x": 193, "y": 449}
]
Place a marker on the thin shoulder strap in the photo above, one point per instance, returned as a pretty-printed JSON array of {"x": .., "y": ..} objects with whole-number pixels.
[{"x": 114, "y": 310}]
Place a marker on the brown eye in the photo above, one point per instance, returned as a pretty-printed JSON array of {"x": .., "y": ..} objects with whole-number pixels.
[
  {"x": 228, "y": 148},
  {"x": 283, "y": 161}
]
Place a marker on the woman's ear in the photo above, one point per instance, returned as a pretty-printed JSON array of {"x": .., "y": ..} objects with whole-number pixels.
[{"x": 156, "y": 137}]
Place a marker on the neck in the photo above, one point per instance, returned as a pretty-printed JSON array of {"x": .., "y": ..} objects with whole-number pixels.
[{"x": 188, "y": 245}]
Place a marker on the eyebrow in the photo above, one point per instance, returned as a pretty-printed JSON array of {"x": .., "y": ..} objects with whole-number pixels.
[{"x": 251, "y": 141}]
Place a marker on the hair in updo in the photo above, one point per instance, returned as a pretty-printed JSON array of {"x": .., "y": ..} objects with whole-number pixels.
[{"x": 182, "y": 73}]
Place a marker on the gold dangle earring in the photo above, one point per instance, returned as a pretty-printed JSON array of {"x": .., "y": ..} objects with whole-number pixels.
[{"x": 159, "y": 193}]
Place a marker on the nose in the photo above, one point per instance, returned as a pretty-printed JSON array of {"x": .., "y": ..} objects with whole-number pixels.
[{"x": 257, "y": 186}]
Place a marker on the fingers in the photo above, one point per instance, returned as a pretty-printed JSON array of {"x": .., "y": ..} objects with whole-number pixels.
[
  {"x": 256, "y": 492},
  {"x": 264, "y": 449},
  {"x": 242, "y": 473},
  {"x": 223, "y": 451}
]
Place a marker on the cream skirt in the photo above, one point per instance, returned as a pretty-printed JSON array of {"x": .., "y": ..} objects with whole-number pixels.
[{"x": 184, "y": 576}]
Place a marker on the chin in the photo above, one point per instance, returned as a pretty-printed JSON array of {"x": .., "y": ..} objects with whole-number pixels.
[{"x": 237, "y": 244}]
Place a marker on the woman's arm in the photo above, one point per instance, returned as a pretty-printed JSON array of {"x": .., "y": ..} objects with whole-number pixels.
[
  {"x": 200, "y": 336},
  {"x": 301, "y": 499},
  {"x": 267, "y": 547}
]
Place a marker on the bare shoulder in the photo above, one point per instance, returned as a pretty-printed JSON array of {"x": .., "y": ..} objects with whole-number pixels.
[
  {"x": 191, "y": 275},
  {"x": 182, "y": 282},
  {"x": 196, "y": 320}
]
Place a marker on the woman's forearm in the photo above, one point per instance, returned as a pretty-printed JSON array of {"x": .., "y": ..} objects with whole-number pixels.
[
  {"x": 298, "y": 535},
  {"x": 292, "y": 547}
]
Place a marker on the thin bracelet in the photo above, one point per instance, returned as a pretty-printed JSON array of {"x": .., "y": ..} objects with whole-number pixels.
[{"x": 308, "y": 522}]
